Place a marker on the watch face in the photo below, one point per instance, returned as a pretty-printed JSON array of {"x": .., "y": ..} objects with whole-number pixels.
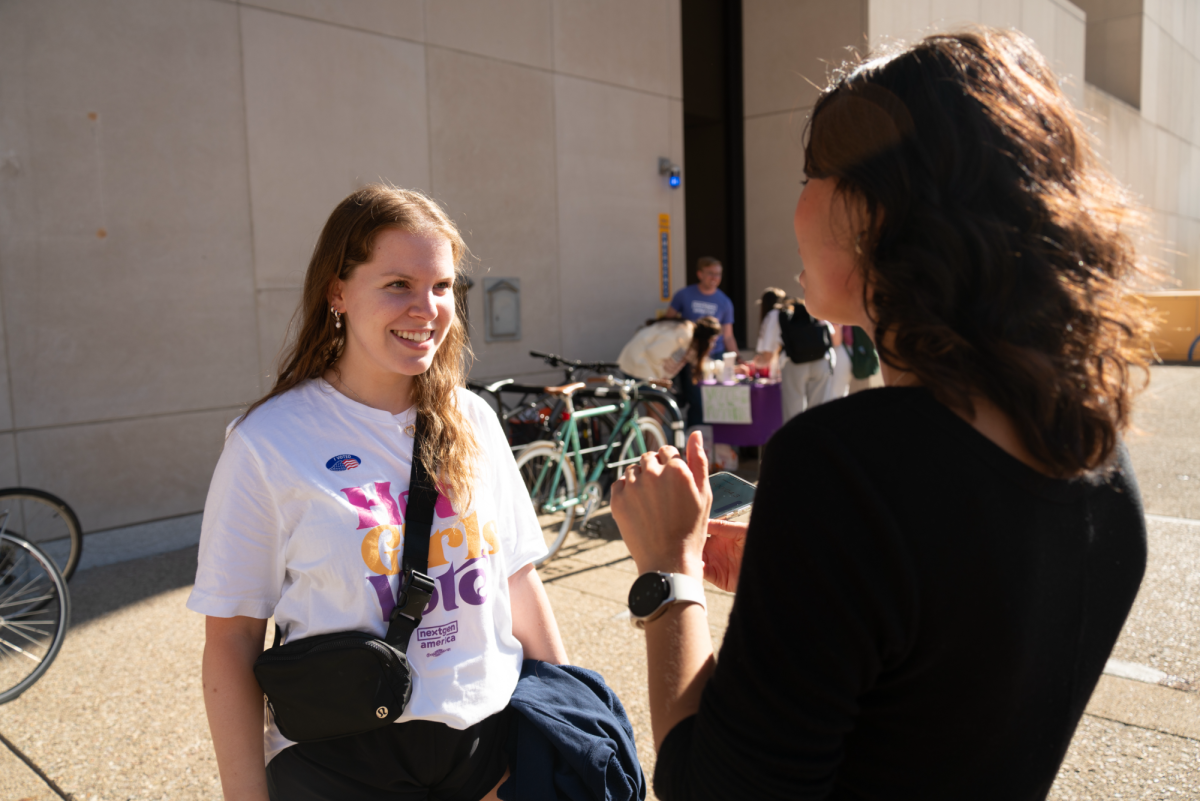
[{"x": 647, "y": 594}]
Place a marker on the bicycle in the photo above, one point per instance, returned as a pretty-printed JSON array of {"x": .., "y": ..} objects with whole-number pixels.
[
  {"x": 47, "y": 521},
  {"x": 535, "y": 415},
  {"x": 649, "y": 391},
  {"x": 550, "y": 468},
  {"x": 35, "y": 609}
]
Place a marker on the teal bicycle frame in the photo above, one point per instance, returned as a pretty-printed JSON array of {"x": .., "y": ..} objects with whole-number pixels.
[{"x": 568, "y": 435}]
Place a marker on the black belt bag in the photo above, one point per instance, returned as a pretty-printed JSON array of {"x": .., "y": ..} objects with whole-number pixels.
[{"x": 350, "y": 682}]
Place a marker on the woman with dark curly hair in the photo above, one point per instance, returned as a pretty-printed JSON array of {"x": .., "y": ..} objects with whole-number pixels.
[{"x": 934, "y": 573}]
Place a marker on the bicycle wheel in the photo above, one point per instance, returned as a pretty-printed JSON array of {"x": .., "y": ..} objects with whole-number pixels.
[
  {"x": 34, "y": 612},
  {"x": 46, "y": 521},
  {"x": 538, "y": 463},
  {"x": 652, "y": 434}
]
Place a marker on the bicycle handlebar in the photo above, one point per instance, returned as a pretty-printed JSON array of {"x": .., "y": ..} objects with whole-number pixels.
[{"x": 555, "y": 360}]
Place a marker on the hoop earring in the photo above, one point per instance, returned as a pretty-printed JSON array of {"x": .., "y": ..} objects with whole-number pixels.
[{"x": 337, "y": 317}]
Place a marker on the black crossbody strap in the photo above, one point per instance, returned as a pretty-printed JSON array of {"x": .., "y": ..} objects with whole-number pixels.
[{"x": 416, "y": 587}]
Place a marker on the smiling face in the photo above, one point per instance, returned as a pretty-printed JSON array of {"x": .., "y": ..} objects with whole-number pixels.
[
  {"x": 397, "y": 308},
  {"x": 710, "y": 278},
  {"x": 832, "y": 280}
]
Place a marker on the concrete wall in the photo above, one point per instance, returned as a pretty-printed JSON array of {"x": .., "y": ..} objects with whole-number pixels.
[
  {"x": 166, "y": 166},
  {"x": 1114, "y": 47},
  {"x": 1057, "y": 26},
  {"x": 788, "y": 47},
  {"x": 1153, "y": 151}
]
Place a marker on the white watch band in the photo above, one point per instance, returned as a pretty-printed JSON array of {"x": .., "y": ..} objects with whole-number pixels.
[{"x": 684, "y": 590}]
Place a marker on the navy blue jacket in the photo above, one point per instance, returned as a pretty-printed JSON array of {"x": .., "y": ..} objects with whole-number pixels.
[{"x": 570, "y": 739}]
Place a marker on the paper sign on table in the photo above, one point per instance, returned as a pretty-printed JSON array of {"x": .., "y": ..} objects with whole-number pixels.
[{"x": 725, "y": 404}]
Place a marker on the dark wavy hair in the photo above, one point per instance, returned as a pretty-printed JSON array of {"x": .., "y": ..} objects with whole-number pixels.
[
  {"x": 994, "y": 248},
  {"x": 705, "y": 331},
  {"x": 773, "y": 298}
]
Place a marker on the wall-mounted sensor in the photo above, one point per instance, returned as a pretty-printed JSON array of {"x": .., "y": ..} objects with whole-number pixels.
[
  {"x": 502, "y": 304},
  {"x": 672, "y": 171}
]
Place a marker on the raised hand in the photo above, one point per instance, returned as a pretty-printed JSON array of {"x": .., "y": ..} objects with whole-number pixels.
[{"x": 661, "y": 506}]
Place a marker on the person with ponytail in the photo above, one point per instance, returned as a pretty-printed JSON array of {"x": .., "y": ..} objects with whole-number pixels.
[{"x": 305, "y": 517}]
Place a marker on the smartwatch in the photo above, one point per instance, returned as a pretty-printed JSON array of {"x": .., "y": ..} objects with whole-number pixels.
[{"x": 652, "y": 593}]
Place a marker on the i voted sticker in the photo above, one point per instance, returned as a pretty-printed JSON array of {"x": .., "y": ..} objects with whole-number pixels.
[{"x": 346, "y": 461}]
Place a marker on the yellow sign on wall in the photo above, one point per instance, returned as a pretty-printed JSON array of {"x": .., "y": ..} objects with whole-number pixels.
[
  {"x": 664, "y": 256},
  {"x": 1177, "y": 336}
]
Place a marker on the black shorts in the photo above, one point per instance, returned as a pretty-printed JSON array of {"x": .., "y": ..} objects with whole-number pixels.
[{"x": 402, "y": 762}]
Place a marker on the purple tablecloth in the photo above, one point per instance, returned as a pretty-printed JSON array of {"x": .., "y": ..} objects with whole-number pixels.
[{"x": 766, "y": 410}]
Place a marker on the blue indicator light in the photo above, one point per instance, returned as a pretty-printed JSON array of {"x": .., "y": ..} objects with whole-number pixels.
[{"x": 674, "y": 180}]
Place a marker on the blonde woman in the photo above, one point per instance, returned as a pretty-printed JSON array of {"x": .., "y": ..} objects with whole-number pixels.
[{"x": 305, "y": 510}]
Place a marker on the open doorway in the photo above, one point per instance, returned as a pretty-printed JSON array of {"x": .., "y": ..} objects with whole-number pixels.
[{"x": 714, "y": 183}]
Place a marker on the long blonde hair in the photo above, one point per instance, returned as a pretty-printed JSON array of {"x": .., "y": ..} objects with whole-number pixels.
[{"x": 450, "y": 450}]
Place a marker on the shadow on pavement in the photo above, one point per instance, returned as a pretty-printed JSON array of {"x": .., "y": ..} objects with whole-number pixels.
[{"x": 102, "y": 590}]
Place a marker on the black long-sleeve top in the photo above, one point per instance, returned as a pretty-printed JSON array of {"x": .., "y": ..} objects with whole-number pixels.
[{"x": 919, "y": 615}]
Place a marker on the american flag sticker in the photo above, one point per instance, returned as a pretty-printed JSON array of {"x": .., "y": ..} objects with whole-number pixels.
[{"x": 346, "y": 461}]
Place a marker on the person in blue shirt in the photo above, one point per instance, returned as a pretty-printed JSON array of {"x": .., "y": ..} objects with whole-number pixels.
[{"x": 705, "y": 299}]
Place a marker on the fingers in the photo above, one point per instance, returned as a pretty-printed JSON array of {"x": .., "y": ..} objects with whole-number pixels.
[
  {"x": 697, "y": 460},
  {"x": 666, "y": 453},
  {"x": 724, "y": 530}
]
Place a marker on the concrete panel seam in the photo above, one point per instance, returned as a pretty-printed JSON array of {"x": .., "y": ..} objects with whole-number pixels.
[
  {"x": 557, "y": 203},
  {"x": 1143, "y": 728},
  {"x": 601, "y": 596},
  {"x": 1167, "y": 34},
  {"x": 765, "y": 114},
  {"x": 587, "y": 569},
  {"x": 1071, "y": 9},
  {"x": 554, "y": 70},
  {"x": 148, "y": 522},
  {"x": 553, "y": 42},
  {"x": 341, "y": 25},
  {"x": 12, "y": 402},
  {"x": 153, "y": 416},
  {"x": 488, "y": 57},
  {"x": 599, "y": 82},
  {"x": 19, "y": 754},
  {"x": 249, "y": 194},
  {"x": 428, "y": 114}
]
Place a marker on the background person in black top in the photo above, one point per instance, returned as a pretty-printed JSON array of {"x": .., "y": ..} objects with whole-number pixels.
[{"x": 934, "y": 572}]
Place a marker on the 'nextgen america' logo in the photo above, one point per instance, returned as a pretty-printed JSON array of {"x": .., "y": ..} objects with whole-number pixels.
[{"x": 344, "y": 462}]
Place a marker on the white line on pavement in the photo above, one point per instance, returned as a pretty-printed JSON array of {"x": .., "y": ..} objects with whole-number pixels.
[
  {"x": 1187, "y": 521},
  {"x": 1132, "y": 670}
]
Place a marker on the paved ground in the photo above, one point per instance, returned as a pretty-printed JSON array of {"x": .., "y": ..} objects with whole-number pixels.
[{"x": 120, "y": 716}]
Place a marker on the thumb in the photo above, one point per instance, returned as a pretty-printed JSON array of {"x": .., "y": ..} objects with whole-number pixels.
[{"x": 697, "y": 460}]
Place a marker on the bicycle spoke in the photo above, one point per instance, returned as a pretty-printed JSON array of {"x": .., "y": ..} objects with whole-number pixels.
[
  {"x": 17, "y": 630},
  {"x": 26, "y": 586},
  {"x": 20, "y": 650},
  {"x": 11, "y": 567},
  {"x": 25, "y": 601},
  {"x": 17, "y": 596},
  {"x": 26, "y": 624},
  {"x": 34, "y": 611}
]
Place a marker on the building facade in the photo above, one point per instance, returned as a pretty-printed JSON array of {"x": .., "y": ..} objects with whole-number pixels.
[{"x": 166, "y": 166}]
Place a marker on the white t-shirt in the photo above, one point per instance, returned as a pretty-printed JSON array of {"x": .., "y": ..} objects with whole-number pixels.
[
  {"x": 657, "y": 350},
  {"x": 304, "y": 520},
  {"x": 770, "y": 338}
]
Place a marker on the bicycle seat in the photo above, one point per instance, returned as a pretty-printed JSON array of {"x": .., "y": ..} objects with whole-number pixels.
[{"x": 566, "y": 389}]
